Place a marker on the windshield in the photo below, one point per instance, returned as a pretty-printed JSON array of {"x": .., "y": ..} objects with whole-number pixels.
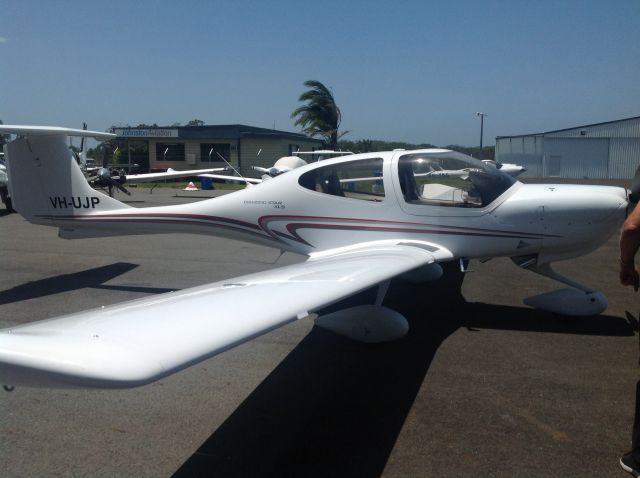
[{"x": 450, "y": 179}]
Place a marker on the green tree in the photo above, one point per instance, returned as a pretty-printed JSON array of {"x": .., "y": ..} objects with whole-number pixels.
[
  {"x": 195, "y": 122},
  {"x": 321, "y": 115}
]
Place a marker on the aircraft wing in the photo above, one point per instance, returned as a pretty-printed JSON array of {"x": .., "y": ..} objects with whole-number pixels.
[
  {"x": 231, "y": 178},
  {"x": 138, "y": 342},
  {"x": 54, "y": 131},
  {"x": 170, "y": 174}
]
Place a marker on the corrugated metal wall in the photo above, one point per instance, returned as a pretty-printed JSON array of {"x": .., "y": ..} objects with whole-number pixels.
[
  {"x": 576, "y": 158},
  {"x": 610, "y": 150},
  {"x": 519, "y": 145},
  {"x": 624, "y": 157}
]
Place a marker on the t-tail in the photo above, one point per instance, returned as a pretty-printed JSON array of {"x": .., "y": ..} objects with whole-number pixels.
[{"x": 45, "y": 182}]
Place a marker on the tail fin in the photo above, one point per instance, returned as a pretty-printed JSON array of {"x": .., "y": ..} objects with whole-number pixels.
[{"x": 45, "y": 181}]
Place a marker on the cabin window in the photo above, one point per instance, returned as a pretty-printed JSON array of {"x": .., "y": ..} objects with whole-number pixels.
[
  {"x": 450, "y": 179},
  {"x": 360, "y": 179}
]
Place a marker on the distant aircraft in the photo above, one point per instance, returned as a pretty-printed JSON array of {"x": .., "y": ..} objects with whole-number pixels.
[
  {"x": 361, "y": 220},
  {"x": 281, "y": 166},
  {"x": 513, "y": 170}
]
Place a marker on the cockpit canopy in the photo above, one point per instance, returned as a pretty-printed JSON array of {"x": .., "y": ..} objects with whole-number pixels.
[
  {"x": 443, "y": 178},
  {"x": 449, "y": 179}
]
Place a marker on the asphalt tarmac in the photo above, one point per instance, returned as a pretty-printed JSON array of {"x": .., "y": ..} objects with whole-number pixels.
[{"x": 481, "y": 386}]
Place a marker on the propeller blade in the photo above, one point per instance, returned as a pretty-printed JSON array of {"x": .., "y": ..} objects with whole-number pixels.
[
  {"x": 84, "y": 126},
  {"x": 119, "y": 182},
  {"x": 121, "y": 188},
  {"x": 113, "y": 183}
]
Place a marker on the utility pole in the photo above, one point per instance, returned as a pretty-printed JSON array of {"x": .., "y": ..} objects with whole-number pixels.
[{"x": 482, "y": 115}]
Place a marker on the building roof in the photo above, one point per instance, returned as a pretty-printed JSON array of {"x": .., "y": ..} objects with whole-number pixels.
[
  {"x": 569, "y": 129},
  {"x": 233, "y": 131}
]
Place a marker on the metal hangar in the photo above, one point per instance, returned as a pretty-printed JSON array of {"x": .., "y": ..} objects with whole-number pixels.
[{"x": 608, "y": 150}]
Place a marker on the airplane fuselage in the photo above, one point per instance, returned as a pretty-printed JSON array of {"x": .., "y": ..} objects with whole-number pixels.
[{"x": 556, "y": 221}]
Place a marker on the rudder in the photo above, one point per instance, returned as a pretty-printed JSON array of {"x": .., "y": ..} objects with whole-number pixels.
[{"x": 45, "y": 180}]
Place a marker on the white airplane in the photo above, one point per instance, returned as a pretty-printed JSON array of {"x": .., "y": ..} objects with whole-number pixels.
[
  {"x": 514, "y": 170},
  {"x": 281, "y": 166},
  {"x": 361, "y": 220}
]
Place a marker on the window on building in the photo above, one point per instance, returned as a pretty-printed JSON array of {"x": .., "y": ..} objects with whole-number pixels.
[
  {"x": 170, "y": 152},
  {"x": 223, "y": 149},
  {"x": 354, "y": 179}
]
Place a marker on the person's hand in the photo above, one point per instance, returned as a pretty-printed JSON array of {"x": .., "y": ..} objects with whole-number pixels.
[{"x": 629, "y": 275}]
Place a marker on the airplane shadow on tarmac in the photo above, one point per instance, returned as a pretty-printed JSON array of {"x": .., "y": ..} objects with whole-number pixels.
[
  {"x": 94, "y": 278},
  {"x": 334, "y": 407}
]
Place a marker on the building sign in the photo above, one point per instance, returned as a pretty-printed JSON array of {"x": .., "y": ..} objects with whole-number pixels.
[{"x": 146, "y": 133}]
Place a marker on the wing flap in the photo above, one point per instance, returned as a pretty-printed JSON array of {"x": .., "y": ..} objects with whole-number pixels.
[{"x": 138, "y": 342}]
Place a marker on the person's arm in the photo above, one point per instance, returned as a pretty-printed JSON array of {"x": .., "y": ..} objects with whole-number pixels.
[{"x": 629, "y": 244}]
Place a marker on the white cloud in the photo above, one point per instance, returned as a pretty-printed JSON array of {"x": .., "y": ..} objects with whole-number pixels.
[{"x": 3, "y": 40}]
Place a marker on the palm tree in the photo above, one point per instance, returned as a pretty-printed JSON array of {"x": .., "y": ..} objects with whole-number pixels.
[{"x": 320, "y": 116}]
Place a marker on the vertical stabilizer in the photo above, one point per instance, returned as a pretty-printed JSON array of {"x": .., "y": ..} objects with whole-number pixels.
[{"x": 45, "y": 181}]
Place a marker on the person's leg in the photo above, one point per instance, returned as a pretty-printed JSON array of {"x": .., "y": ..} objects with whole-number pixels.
[
  {"x": 631, "y": 461},
  {"x": 635, "y": 433}
]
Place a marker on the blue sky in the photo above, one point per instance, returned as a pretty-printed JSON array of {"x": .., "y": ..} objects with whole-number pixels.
[{"x": 415, "y": 71}]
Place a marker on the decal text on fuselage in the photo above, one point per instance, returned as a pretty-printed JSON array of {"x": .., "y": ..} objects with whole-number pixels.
[{"x": 76, "y": 202}]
